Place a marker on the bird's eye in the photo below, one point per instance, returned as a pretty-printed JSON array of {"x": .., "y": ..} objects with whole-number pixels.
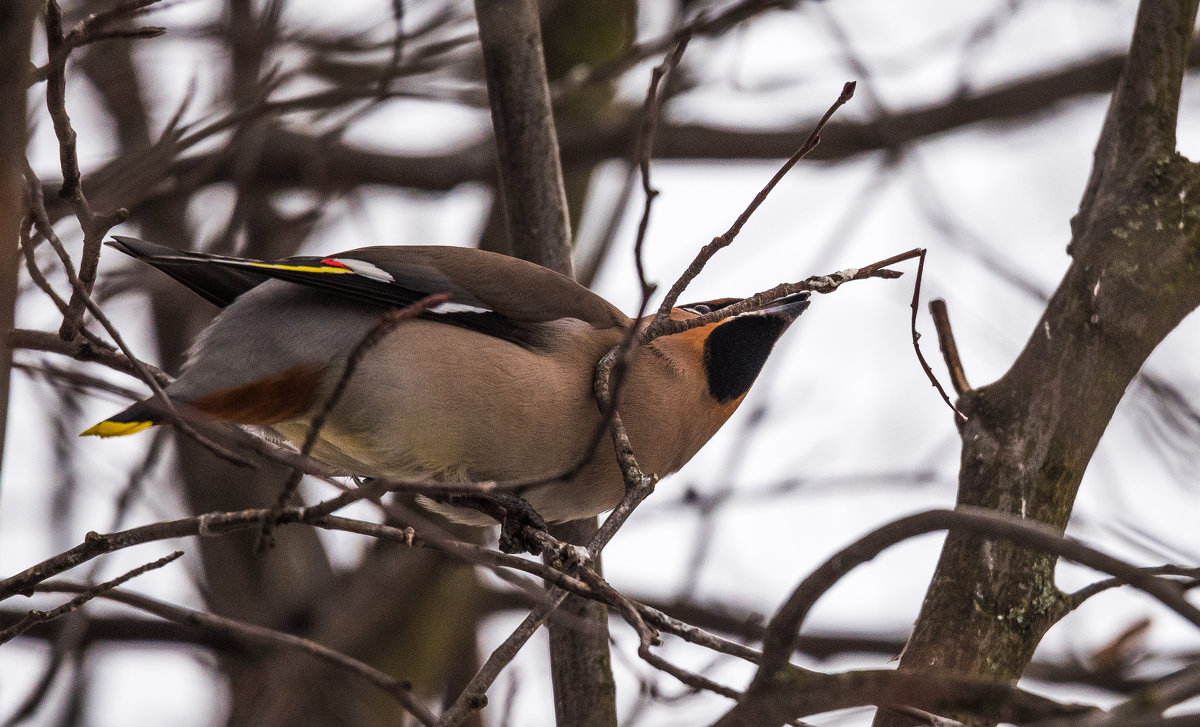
[{"x": 701, "y": 309}]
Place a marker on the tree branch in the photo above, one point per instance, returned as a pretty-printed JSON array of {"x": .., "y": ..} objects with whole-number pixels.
[
  {"x": 1141, "y": 119},
  {"x": 797, "y": 693},
  {"x": 781, "y": 633},
  {"x": 531, "y": 178},
  {"x": 86, "y": 594},
  {"x": 228, "y": 630}
]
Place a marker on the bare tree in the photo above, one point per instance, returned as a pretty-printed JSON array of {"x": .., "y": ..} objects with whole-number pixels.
[{"x": 396, "y": 635}]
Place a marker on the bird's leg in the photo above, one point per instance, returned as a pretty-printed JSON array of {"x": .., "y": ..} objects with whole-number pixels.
[{"x": 522, "y": 527}]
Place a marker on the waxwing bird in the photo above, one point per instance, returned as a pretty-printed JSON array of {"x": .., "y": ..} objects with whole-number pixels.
[{"x": 493, "y": 384}]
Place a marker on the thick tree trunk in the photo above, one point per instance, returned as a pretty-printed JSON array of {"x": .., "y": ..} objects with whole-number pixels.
[{"x": 1030, "y": 435}]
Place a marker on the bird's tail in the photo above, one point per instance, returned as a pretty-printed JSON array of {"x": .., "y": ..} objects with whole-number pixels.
[
  {"x": 202, "y": 274},
  {"x": 130, "y": 421}
]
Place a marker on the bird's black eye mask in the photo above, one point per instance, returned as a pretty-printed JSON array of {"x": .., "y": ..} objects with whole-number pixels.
[{"x": 734, "y": 353}]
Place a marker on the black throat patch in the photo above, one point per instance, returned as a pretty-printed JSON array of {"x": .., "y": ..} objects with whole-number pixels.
[{"x": 734, "y": 353}]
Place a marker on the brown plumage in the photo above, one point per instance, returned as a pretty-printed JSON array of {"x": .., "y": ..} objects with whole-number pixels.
[{"x": 496, "y": 384}]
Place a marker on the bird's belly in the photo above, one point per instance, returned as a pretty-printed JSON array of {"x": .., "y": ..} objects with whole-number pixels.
[{"x": 500, "y": 412}]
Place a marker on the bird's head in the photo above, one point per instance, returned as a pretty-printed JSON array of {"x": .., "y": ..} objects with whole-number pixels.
[{"x": 731, "y": 352}]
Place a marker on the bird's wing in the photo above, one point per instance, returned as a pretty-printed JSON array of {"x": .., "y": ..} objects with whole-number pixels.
[{"x": 491, "y": 293}]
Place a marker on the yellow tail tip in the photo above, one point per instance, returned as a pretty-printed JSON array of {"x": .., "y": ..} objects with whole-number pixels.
[{"x": 115, "y": 429}]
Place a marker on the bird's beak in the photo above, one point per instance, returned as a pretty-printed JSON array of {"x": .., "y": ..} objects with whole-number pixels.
[{"x": 789, "y": 307}]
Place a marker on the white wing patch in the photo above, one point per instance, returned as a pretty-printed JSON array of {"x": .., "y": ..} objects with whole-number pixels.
[
  {"x": 365, "y": 269},
  {"x": 452, "y": 307}
]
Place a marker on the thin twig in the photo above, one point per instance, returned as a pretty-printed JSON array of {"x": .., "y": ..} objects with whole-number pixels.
[
  {"x": 93, "y": 28},
  {"x": 38, "y": 219},
  {"x": 386, "y": 324},
  {"x": 35, "y": 272},
  {"x": 56, "y": 89},
  {"x": 945, "y": 334},
  {"x": 473, "y": 697},
  {"x": 916, "y": 337},
  {"x": 648, "y": 636},
  {"x": 691, "y": 679},
  {"x": 71, "y": 43},
  {"x": 246, "y": 633},
  {"x": 81, "y": 349},
  {"x": 35, "y": 617},
  {"x": 651, "y": 111},
  {"x": 724, "y": 240},
  {"x": 823, "y": 284},
  {"x": 94, "y": 226},
  {"x": 1074, "y": 600},
  {"x": 76, "y": 379}
]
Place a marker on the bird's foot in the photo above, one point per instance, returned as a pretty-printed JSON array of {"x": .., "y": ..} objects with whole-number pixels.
[{"x": 521, "y": 527}]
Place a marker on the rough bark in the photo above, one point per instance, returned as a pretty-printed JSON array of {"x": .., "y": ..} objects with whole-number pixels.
[{"x": 1031, "y": 434}]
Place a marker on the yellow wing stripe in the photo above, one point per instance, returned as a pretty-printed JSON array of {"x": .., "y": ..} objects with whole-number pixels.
[
  {"x": 115, "y": 429},
  {"x": 301, "y": 268}
]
